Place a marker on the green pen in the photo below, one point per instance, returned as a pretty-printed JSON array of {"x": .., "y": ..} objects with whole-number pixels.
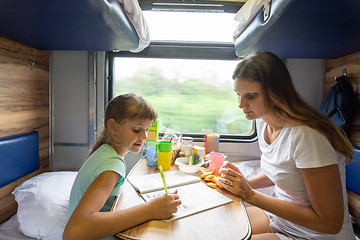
[{"x": 163, "y": 179}]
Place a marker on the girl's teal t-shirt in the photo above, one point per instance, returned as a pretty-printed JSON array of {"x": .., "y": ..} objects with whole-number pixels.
[{"x": 105, "y": 158}]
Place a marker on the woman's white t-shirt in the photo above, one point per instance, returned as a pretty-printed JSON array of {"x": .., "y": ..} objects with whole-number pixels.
[{"x": 300, "y": 147}]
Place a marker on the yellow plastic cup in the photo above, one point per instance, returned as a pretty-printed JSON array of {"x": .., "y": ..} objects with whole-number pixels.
[{"x": 164, "y": 160}]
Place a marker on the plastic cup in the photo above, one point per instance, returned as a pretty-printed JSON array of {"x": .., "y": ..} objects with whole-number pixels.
[
  {"x": 164, "y": 153},
  {"x": 151, "y": 156},
  {"x": 164, "y": 146},
  {"x": 217, "y": 160},
  {"x": 164, "y": 160}
]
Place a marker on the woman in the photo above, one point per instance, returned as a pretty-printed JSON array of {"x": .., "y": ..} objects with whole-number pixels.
[
  {"x": 127, "y": 119},
  {"x": 303, "y": 155}
]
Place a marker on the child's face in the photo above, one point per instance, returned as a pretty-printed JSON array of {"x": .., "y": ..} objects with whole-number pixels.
[{"x": 132, "y": 135}]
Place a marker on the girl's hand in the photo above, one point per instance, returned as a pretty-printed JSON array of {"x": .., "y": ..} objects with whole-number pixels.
[
  {"x": 165, "y": 205},
  {"x": 232, "y": 180}
]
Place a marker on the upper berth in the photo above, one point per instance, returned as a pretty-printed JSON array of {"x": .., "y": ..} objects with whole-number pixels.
[
  {"x": 303, "y": 29},
  {"x": 97, "y": 25}
]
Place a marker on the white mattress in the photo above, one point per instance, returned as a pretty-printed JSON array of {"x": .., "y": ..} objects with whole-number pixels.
[
  {"x": 246, "y": 14},
  {"x": 9, "y": 230},
  {"x": 134, "y": 12}
]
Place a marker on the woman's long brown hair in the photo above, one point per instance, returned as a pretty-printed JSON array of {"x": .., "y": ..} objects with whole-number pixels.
[{"x": 285, "y": 103}]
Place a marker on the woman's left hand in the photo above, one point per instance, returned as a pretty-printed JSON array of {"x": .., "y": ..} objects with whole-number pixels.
[{"x": 235, "y": 182}]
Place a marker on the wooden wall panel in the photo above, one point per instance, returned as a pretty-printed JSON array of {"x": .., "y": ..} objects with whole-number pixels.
[
  {"x": 24, "y": 105},
  {"x": 334, "y": 68}
]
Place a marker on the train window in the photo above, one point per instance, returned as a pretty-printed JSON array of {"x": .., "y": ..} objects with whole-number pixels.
[
  {"x": 205, "y": 26},
  {"x": 187, "y": 79}
]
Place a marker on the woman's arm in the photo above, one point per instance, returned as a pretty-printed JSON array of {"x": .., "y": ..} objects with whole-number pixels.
[
  {"x": 326, "y": 213},
  {"x": 87, "y": 222}
]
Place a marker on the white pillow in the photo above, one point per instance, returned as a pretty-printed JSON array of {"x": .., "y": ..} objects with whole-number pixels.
[{"x": 42, "y": 204}]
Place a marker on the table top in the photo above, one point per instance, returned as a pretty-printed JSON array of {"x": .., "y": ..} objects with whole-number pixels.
[{"x": 229, "y": 221}]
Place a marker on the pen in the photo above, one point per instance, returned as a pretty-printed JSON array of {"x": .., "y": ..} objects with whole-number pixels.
[{"x": 163, "y": 179}]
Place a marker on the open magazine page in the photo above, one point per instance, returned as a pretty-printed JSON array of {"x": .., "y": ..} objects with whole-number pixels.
[
  {"x": 153, "y": 182},
  {"x": 195, "y": 198}
]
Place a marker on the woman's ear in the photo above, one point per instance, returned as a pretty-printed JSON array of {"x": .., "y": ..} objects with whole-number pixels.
[{"x": 112, "y": 126}]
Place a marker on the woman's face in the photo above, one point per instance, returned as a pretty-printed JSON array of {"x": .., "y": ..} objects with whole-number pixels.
[
  {"x": 132, "y": 135},
  {"x": 250, "y": 98}
]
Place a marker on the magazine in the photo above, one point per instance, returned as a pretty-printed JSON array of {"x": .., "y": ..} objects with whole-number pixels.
[
  {"x": 153, "y": 182},
  {"x": 195, "y": 196}
]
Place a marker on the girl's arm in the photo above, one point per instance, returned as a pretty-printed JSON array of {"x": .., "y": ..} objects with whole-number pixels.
[
  {"x": 326, "y": 213},
  {"x": 87, "y": 222}
]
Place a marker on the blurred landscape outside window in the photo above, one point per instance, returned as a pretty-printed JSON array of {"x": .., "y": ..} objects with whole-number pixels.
[{"x": 191, "y": 96}]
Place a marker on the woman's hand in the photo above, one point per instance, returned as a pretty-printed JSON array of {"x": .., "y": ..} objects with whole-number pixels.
[
  {"x": 165, "y": 205},
  {"x": 232, "y": 180},
  {"x": 227, "y": 165}
]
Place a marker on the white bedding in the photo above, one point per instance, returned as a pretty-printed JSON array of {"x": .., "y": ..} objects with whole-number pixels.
[
  {"x": 42, "y": 207},
  {"x": 246, "y": 14},
  {"x": 10, "y": 230},
  {"x": 134, "y": 12}
]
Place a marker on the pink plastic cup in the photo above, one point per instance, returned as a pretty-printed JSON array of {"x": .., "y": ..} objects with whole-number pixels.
[{"x": 217, "y": 160}]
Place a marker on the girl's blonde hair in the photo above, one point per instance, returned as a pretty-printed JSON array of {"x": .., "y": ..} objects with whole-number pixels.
[
  {"x": 125, "y": 107},
  {"x": 285, "y": 103}
]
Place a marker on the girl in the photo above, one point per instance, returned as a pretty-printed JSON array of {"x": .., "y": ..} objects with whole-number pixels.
[
  {"x": 303, "y": 155},
  {"x": 127, "y": 119}
]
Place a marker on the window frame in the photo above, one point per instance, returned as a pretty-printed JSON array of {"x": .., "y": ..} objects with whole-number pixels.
[{"x": 181, "y": 50}]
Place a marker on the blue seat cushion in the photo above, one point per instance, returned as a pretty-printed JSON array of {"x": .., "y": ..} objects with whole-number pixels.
[{"x": 19, "y": 156}]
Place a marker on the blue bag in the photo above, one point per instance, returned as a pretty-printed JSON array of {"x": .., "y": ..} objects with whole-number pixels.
[{"x": 340, "y": 104}]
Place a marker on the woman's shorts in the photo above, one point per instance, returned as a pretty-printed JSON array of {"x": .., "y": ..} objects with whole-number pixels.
[{"x": 278, "y": 231}]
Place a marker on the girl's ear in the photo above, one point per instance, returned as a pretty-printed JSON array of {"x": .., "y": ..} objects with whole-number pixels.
[{"x": 112, "y": 126}]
